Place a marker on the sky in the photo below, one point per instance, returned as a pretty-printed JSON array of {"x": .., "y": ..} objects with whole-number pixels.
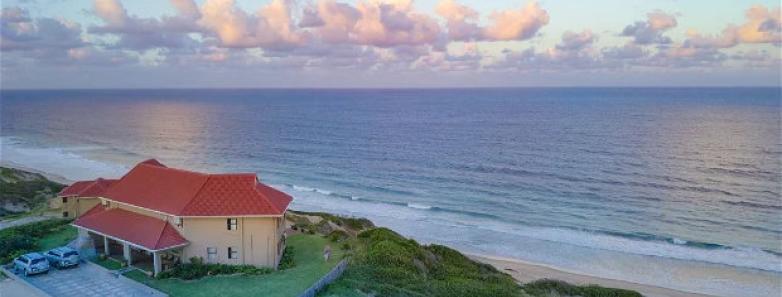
[{"x": 387, "y": 43}]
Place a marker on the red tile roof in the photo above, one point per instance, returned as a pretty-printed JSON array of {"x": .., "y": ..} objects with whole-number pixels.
[
  {"x": 88, "y": 188},
  {"x": 145, "y": 231},
  {"x": 154, "y": 186}
]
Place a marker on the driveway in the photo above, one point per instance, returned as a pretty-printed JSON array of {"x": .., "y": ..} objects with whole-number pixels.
[
  {"x": 88, "y": 280},
  {"x": 22, "y": 221}
]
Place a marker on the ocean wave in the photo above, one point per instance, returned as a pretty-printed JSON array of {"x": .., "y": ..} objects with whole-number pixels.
[
  {"x": 67, "y": 162},
  {"x": 752, "y": 204},
  {"x": 637, "y": 243},
  {"x": 419, "y": 206}
]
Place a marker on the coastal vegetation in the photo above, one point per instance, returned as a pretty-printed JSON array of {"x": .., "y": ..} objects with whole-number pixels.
[
  {"x": 36, "y": 236},
  {"x": 553, "y": 288},
  {"x": 384, "y": 263},
  {"x": 22, "y": 192}
]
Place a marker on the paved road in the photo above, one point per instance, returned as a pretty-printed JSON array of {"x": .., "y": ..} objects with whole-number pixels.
[
  {"x": 25, "y": 220},
  {"x": 88, "y": 280}
]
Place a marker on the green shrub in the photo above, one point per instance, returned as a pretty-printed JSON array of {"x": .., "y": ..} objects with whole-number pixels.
[
  {"x": 197, "y": 269},
  {"x": 287, "y": 259},
  {"x": 23, "y": 239},
  {"x": 545, "y": 287},
  {"x": 385, "y": 263},
  {"x": 338, "y": 236}
]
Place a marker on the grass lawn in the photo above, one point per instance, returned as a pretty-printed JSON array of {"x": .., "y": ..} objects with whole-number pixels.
[
  {"x": 108, "y": 263},
  {"x": 308, "y": 257},
  {"x": 58, "y": 237}
]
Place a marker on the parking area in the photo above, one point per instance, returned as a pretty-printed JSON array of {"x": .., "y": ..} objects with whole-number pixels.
[{"x": 87, "y": 280}]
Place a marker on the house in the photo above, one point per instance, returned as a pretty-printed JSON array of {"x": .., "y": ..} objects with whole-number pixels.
[{"x": 160, "y": 216}]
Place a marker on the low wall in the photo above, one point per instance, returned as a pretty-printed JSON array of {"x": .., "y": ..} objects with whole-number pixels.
[{"x": 330, "y": 277}]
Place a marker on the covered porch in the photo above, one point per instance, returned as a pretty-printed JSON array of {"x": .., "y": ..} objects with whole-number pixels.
[
  {"x": 137, "y": 240},
  {"x": 153, "y": 261}
]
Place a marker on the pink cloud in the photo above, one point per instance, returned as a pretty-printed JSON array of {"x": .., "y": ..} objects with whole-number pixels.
[
  {"x": 516, "y": 24},
  {"x": 270, "y": 27},
  {"x": 460, "y": 20}
]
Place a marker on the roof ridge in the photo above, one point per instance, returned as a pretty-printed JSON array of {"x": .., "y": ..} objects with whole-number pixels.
[
  {"x": 159, "y": 236},
  {"x": 201, "y": 188},
  {"x": 173, "y": 169},
  {"x": 273, "y": 205}
]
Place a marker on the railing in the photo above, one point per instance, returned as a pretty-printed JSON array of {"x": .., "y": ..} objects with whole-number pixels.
[{"x": 330, "y": 277}]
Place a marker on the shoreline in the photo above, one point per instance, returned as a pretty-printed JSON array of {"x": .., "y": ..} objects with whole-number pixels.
[
  {"x": 524, "y": 272},
  {"x": 50, "y": 176}
]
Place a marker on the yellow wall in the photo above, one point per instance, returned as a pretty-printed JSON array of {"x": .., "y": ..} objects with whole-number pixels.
[
  {"x": 256, "y": 239},
  {"x": 76, "y": 206}
]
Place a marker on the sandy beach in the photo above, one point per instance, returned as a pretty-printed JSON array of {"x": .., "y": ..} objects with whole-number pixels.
[
  {"x": 50, "y": 176},
  {"x": 527, "y": 272}
]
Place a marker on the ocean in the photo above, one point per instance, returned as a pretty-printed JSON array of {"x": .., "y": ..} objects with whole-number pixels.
[{"x": 675, "y": 187}]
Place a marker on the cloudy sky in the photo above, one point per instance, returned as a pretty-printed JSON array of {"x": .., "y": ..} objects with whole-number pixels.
[{"x": 393, "y": 43}]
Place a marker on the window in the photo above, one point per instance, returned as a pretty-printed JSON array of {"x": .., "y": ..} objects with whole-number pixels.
[
  {"x": 211, "y": 254},
  {"x": 232, "y": 223},
  {"x": 64, "y": 214},
  {"x": 64, "y": 199},
  {"x": 233, "y": 253}
]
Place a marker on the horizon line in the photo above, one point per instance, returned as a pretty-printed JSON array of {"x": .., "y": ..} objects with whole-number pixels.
[{"x": 393, "y": 88}]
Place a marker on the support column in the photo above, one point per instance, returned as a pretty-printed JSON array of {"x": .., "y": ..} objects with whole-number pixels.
[
  {"x": 156, "y": 263},
  {"x": 106, "y": 249},
  {"x": 126, "y": 253}
]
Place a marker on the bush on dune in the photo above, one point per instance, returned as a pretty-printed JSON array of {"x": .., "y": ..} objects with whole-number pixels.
[
  {"x": 546, "y": 287},
  {"x": 387, "y": 264}
]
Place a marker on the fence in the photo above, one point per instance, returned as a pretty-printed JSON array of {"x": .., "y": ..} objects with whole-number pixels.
[{"x": 330, "y": 277}]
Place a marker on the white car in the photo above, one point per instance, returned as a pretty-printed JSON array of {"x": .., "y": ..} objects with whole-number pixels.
[
  {"x": 63, "y": 257},
  {"x": 32, "y": 263}
]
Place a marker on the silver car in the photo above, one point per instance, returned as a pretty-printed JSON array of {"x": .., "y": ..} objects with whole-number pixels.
[
  {"x": 63, "y": 257},
  {"x": 32, "y": 263}
]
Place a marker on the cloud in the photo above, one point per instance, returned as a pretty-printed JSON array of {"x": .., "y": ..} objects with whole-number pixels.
[
  {"x": 651, "y": 31},
  {"x": 625, "y": 52},
  {"x": 138, "y": 33},
  {"x": 112, "y": 12},
  {"x": 460, "y": 20},
  {"x": 375, "y": 23},
  {"x": 576, "y": 41},
  {"x": 20, "y": 32},
  {"x": 270, "y": 27},
  {"x": 516, "y": 24},
  {"x": 761, "y": 26}
]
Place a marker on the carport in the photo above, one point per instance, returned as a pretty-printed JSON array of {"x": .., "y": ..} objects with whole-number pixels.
[{"x": 143, "y": 241}]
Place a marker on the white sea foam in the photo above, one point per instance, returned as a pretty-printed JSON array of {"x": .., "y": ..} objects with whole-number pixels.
[
  {"x": 68, "y": 162},
  {"x": 419, "y": 206}
]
